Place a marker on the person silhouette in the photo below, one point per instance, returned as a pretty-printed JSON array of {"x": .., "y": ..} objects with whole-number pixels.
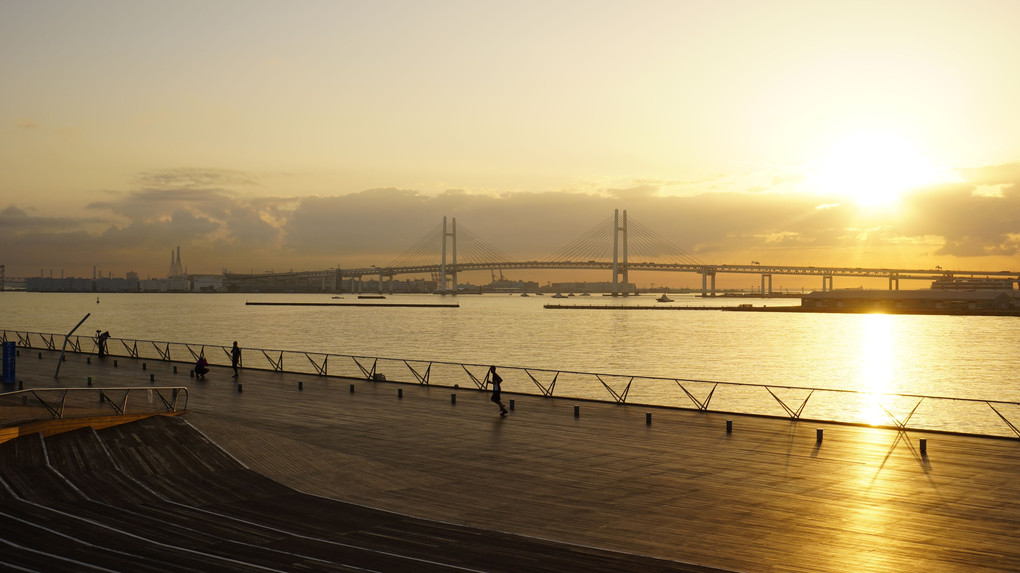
[
  {"x": 497, "y": 388},
  {"x": 235, "y": 358}
]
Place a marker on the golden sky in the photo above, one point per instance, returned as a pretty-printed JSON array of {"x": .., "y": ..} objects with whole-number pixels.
[{"x": 305, "y": 135}]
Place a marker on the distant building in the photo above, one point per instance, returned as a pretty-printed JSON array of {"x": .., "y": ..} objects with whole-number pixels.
[
  {"x": 928, "y": 301},
  {"x": 207, "y": 283},
  {"x": 164, "y": 285},
  {"x": 954, "y": 283},
  {"x": 71, "y": 284},
  {"x": 116, "y": 285}
]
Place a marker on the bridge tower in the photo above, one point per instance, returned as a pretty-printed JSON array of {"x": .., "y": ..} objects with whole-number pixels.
[
  {"x": 442, "y": 266},
  {"x": 618, "y": 270}
]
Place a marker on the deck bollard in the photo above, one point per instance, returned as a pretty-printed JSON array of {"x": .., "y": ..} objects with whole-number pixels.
[
  {"x": 143, "y": 366},
  {"x": 453, "y": 398},
  {"x": 40, "y": 356},
  {"x": 729, "y": 426},
  {"x": 191, "y": 374},
  {"x": 175, "y": 369},
  {"x": 102, "y": 398},
  {"x": 114, "y": 363},
  {"x": 88, "y": 360},
  {"x": 648, "y": 418},
  {"x": 818, "y": 435},
  {"x": 152, "y": 377},
  {"x": 924, "y": 445},
  {"x": 400, "y": 392},
  {"x": 300, "y": 385},
  {"x": 352, "y": 388},
  {"x": 511, "y": 404},
  {"x": 21, "y": 384},
  {"x": 63, "y": 358},
  {"x": 90, "y": 381},
  {"x": 577, "y": 411},
  {"x": 238, "y": 387}
]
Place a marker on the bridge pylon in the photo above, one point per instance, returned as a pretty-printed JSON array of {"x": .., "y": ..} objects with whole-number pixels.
[
  {"x": 443, "y": 273},
  {"x": 619, "y": 271}
]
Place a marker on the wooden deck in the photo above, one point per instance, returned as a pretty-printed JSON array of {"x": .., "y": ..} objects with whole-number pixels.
[{"x": 766, "y": 497}]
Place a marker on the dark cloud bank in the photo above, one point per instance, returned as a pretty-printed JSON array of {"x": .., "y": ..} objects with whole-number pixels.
[{"x": 210, "y": 214}]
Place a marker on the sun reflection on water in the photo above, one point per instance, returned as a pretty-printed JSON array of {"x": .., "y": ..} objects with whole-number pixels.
[{"x": 877, "y": 360}]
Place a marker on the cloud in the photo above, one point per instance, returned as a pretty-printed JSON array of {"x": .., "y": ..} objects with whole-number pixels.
[
  {"x": 726, "y": 221},
  {"x": 193, "y": 178}
]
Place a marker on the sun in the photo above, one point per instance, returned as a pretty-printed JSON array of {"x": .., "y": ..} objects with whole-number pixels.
[{"x": 873, "y": 169}]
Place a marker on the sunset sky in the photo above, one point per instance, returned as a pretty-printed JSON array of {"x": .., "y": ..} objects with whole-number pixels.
[{"x": 262, "y": 135}]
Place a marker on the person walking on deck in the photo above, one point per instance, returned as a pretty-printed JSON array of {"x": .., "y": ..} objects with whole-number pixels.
[
  {"x": 235, "y": 358},
  {"x": 497, "y": 388}
]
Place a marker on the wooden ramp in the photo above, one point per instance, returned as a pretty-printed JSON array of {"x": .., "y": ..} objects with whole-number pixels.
[
  {"x": 768, "y": 496},
  {"x": 157, "y": 494}
]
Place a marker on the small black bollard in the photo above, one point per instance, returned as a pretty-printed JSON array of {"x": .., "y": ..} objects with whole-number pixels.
[
  {"x": 114, "y": 363},
  {"x": 238, "y": 387},
  {"x": 648, "y": 418},
  {"x": 101, "y": 397},
  {"x": 21, "y": 384},
  {"x": 63, "y": 358},
  {"x": 352, "y": 388},
  {"x": 90, "y": 381},
  {"x": 924, "y": 445},
  {"x": 818, "y": 435},
  {"x": 175, "y": 369},
  {"x": 143, "y": 366},
  {"x": 400, "y": 392},
  {"x": 511, "y": 404},
  {"x": 300, "y": 385},
  {"x": 577, "y": 411},
  {"x": 88, "y": 360},
  {"x": 152, "y": 377},
  {"x": 40, "y": 356},
  {"x": 729, "y": 426},
  {"x": 192, "y": 374},
  {"x": 453, "y": 398}
]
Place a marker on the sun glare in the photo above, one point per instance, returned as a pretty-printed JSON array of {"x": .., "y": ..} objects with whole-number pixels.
[{"x": 872, "y": 169}]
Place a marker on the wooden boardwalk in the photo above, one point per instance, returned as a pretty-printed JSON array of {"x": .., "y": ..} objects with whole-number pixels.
[{"x": 766, "y": 497}]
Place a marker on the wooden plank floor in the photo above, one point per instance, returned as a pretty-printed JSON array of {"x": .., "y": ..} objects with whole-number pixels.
[{"x": 766, "y": 497}]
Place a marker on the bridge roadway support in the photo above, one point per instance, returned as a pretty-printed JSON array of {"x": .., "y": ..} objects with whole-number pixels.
[
  {"x": 442, "y": 266},
  {"x": 826, "y": 283},
  {"x": 894, "y": 282},
  {"x": 704, "y": 282},
  {"x": 763, "y": 277},
  {"x": 619, "y": 270}
]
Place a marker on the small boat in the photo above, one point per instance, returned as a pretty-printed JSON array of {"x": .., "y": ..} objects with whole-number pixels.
[
  {"x": 525, "y": 294},
  {"x": 663, "y": 298},
  {"x": 559, "y": 295},
  {"x": 336, "y": 297},
  {"x": 371, "y": 296}
]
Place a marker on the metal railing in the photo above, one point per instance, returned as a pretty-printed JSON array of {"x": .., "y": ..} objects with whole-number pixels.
[
  {"x": 60, "y": 403},
  {"x": 899, "y": 411}
]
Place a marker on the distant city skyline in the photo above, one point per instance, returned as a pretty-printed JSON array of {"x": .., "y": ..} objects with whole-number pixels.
[{"x": 262, "y": 135}]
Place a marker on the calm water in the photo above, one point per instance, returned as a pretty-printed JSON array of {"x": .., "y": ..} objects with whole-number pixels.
[{"x": 969, "y": 357}]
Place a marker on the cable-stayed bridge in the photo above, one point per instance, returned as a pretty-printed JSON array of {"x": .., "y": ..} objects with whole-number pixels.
[{"x": 615, "y": 245}]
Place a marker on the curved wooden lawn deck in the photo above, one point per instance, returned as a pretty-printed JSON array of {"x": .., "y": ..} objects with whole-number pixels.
[{"x": 766, "y": 497}]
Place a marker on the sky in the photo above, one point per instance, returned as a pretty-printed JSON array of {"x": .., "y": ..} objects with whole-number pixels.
[{"x": 270, "y": 135}]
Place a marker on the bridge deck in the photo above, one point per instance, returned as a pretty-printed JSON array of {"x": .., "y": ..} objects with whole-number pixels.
[{"x": 767, "y": 496}]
